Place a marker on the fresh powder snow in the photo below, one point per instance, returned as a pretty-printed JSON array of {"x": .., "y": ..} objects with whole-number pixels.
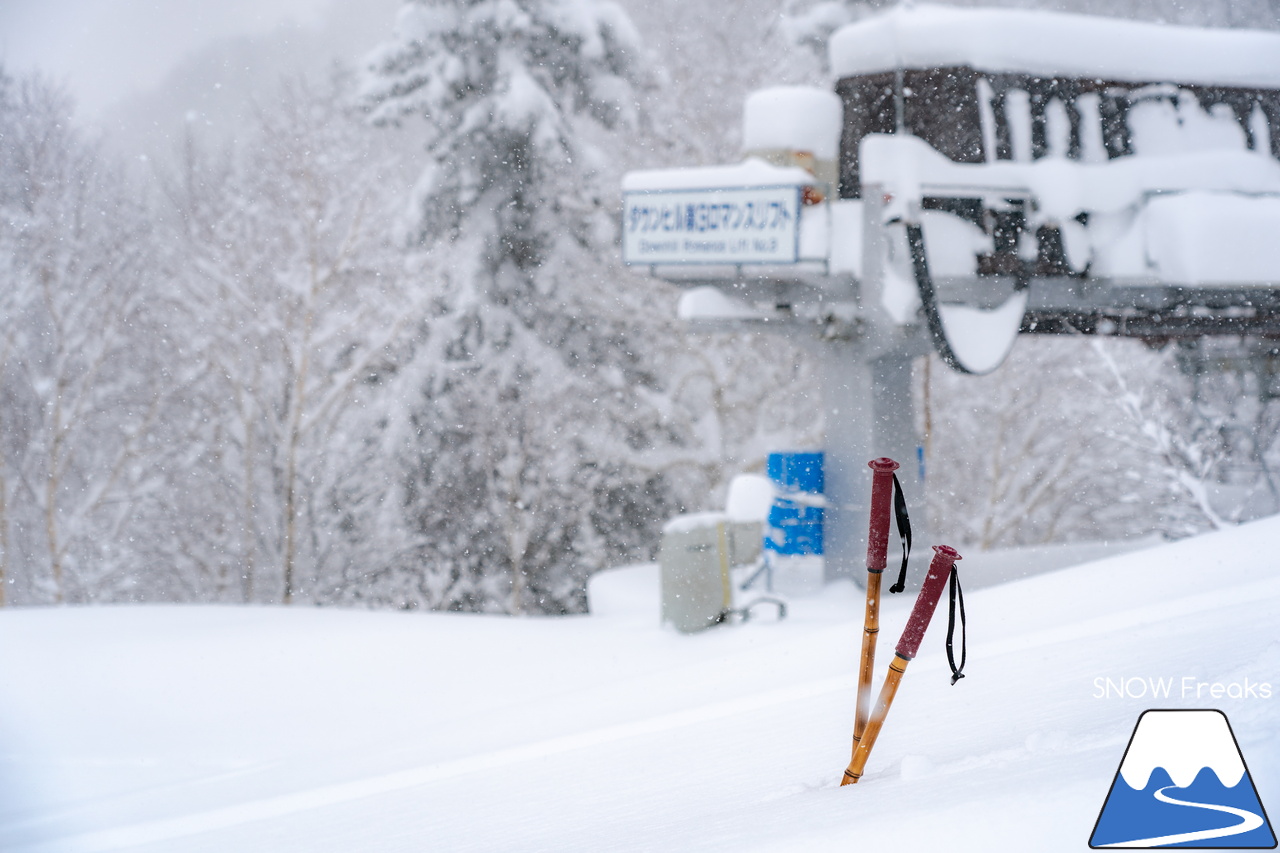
[
  {"x": 751, "y": 172},
  {"x": 192, "y": 729},
  {"x": 798, "y": 118},
  {"x": 1054, "y": 44}
]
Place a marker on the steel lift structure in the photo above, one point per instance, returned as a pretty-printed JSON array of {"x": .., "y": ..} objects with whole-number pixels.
[{"x": 980, "y": 174}]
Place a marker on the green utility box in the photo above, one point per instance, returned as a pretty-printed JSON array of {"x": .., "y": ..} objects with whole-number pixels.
[{"x": 696, "y": 555}]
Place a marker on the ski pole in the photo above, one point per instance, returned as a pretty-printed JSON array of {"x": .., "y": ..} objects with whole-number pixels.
[
  {"x": 877, "y": 559},
  {"x": 940, "y": 567}
]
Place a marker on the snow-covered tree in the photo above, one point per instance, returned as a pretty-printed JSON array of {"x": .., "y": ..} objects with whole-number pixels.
[
  {"x": 296, "y": 305},
  {"x": 1037, "y": 452},
  {"x": 741, "y": 396},
  {"x": 83, "y": 356},
  {"x": 1207, "y": 434},
  {"x": 505, "y": 87},
  {"x": 1091, "y": 439},
  {"x": 707, "y": 58},
  {"x": 535, "y": 369}
]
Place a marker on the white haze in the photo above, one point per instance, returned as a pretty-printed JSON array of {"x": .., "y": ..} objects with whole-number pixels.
[{"x": 133, "y": 65}]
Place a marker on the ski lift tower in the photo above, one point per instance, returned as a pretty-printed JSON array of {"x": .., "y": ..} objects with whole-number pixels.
[{"x": 980, "y": 174}]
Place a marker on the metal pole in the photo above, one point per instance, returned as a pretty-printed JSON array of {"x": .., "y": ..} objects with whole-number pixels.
[
  {"x": 870, "y": 409},
  {"x": 847, "y": 398},
  {"x": 870, "y": 413},
  {"x": 895, "y": 433}
]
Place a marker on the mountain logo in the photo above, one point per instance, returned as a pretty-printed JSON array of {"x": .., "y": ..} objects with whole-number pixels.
[{"x": 1183, "y": 783}]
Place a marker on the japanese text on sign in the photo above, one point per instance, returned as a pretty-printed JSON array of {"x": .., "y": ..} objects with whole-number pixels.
[{"x": 717, "y": 226}]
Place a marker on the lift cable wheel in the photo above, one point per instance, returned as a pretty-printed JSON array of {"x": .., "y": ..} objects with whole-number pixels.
[{"x": 970, "y": 340}]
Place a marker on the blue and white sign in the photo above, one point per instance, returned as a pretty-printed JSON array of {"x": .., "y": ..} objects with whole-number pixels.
[
  {"x": 751, "y": 225},
  {"x": 1183, "y": 783}
]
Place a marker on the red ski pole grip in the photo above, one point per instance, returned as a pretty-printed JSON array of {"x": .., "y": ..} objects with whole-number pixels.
[
  {"x": 944, "y": 558},
  {"x": 881, "y": 512}
]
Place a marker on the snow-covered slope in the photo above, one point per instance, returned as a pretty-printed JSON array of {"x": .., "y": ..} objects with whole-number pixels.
[{"x": 262, "y": 729}]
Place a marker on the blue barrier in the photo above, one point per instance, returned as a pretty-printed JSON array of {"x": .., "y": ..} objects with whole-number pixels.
[
  {"x": 795, "y": 471},
  {"x": 795, "y": 519}
]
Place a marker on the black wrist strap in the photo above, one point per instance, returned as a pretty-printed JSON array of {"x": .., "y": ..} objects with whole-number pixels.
[
  {"x": 957, "y": 603},
  {"x": 903, "y": 522}
]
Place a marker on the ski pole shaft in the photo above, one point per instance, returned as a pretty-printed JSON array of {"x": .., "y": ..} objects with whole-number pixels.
[
  {"x": 870, "y": 631},
  {"x": 888, "y": 690},
  {"x": 944, "y": 558},
  {"x": 877, "y": 558}
]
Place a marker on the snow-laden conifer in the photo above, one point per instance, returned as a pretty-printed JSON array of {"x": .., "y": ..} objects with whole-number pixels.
[
  {"x": 504, "y": 86},
  {"x": 532, "y": 391}
]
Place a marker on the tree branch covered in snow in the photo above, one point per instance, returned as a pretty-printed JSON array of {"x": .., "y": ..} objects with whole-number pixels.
[{"x": 82, "y": 349}]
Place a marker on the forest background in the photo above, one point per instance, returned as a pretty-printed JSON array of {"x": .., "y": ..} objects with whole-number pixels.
[{"x": 354, "y": 329}]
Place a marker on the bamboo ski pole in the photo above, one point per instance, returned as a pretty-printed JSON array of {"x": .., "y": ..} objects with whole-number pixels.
[
  {"x": 944, "y": 558},
  {"x": 877, "y": 558}
]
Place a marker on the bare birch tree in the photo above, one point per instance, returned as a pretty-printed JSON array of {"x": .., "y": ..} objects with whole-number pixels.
[
  {"x": 298, "y": 299},
  {"x": 81, "y": 356}
]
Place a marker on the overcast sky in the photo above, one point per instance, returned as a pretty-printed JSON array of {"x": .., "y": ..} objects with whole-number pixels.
[{"x": 108, "y": 49}]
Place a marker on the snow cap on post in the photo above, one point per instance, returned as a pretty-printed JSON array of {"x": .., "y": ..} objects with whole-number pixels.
[
  {"x": 797, "y": 118},
  {"x": 944, "y": 558},
  {"x": 881, "y": 499}
]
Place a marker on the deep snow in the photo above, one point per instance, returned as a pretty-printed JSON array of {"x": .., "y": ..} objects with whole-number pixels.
[
  {"x": 1038, "y": 41},
  {"x": 266, "y": 729}
]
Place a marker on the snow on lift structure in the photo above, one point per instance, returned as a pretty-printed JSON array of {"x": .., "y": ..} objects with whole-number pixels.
[
  {"x": 981, "y": 173},
  {"x": 1118, "y": 177}
]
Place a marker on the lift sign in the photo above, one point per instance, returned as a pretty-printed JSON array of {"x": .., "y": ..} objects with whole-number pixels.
[{"x": 717, "y": 226}]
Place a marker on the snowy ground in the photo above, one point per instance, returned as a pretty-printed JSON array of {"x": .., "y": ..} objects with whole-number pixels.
[{"x": 263, "y": 729}]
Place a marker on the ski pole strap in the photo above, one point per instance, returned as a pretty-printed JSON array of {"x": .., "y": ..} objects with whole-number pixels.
[
  {"x": 957, "y": 602},
  {"x": 903, "y": 522}
]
